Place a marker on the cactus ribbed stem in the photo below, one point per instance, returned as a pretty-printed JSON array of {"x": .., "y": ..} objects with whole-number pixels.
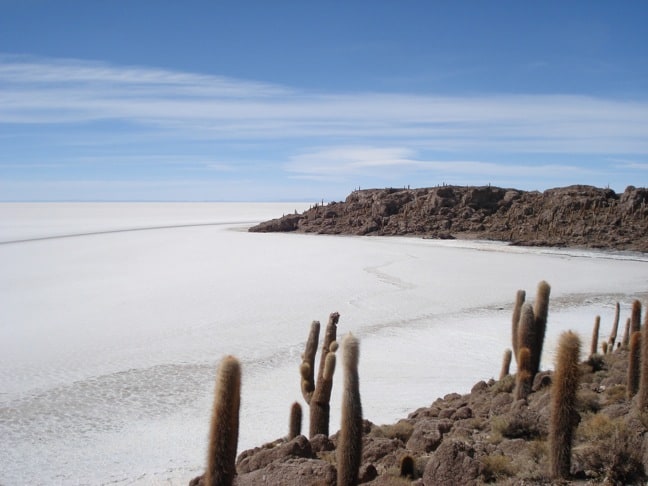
[
  {"x": 564, "y": 416},
  {"x": 223, "y": 435},
  {"x": 349, "y": 450}
]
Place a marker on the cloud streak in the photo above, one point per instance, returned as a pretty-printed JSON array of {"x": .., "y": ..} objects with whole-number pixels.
[{"x": 35, "y": 91}]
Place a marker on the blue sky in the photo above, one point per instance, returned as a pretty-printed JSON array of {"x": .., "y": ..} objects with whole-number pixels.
[{"x": 292, "y": 100}]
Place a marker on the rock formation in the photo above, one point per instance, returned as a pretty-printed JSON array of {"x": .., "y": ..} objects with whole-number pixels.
[{"x": 575, "y": 216}]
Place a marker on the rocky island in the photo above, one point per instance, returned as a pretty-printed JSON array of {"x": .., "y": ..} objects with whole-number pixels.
[{"x": 573, "y": 216}]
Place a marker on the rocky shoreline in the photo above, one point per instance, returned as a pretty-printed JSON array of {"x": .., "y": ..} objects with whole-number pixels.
[
  {"x": 499, "y": 433},
  {"x": 573, "y": 216}
]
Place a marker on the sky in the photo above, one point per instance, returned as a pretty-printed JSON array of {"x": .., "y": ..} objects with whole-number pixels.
[{"x": 156, "y": 100}]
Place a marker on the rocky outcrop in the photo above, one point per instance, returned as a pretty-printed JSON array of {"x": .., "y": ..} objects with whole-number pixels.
[
  {"x": 485, "y": 436},
  {"x": 577, "y": 216}
]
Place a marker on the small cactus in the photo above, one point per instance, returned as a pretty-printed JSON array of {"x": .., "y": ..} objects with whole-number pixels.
[
  {"x": 564, "y": 416},
  {"x": 295, "y": 424},
  {"x": 407, "y": 469},
  {"x": 506, "y": 364},
  {"x": 349, "y": 449},
  {"x": 223, "y": 435}
]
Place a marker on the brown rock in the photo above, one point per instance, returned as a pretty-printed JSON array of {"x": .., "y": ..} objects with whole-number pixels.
[
  {"x": 428, "y": 435},
  {"x": 453, "y": 463},
  {"x": 306, "y": 472},
  {"x": 298, "y": 447}
]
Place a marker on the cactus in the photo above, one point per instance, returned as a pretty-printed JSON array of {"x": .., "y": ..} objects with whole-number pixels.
[
  {"x": 615, "y": 326},
  {"x": 564, "y": 416},
  {"x": 223, "y": 435},
  {"x": 595, "y": 336},
  {"x": 295, "y": 424},
  {"x": 634, "y": 362},
  {"x": 635, "y": 317},
  {"x": 604, "y": 347},
  {"x": 506, "y": 364},
  {"x": 407, "y": 467},
  {"x": 349, "y": 449},
  {"x": 523, "y": 377},
  {"x": 307, "y": 368},
  {"x": 519, "y": 300},
  {"x": 318, "y": 394},
  {"x": 625, "y": 342},
  {"x": 526, "y": 337},
  {"x": 541, "y": 312},
  {"x": 320, "y": 408}
]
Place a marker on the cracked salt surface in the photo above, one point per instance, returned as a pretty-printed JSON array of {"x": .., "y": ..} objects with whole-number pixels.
[{"x": 109, "y": 342}]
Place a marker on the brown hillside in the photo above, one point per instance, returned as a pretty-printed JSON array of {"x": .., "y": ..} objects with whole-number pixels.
[{"x": 575, "y": 216}]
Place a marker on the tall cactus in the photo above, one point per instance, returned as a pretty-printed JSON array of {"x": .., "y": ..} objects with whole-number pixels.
[
  {"x": 643, "y": 375},
  {"x": 223, "y": 434},
  {"x": 318, "y": 393},
  {"x": 349, "y": 449},
  {"x": 541, "y": 313},
  {"x": 634, "y": 364},
  {"x": 615, "y": 326},
  {"x": 564, "y": 416},
  {"x": 635, "y": 317},
  {"x": 625, "y": 342},
  {"x": 515, "y": 321},
  {"x": 595, "y": 336}
]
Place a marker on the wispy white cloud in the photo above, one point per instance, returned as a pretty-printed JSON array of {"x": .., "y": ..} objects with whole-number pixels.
[
  {"x": 194, "y": 106},
  {"x": 390, "y": 162}
]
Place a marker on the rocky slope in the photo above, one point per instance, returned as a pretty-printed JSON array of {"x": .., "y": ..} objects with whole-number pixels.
[
  {"x": 485, "y": 436},
  {"x": 578, "y": 216}
]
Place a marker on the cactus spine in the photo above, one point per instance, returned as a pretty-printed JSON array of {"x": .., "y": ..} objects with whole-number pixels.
[
  {"x": 318, "y": 394},
  {"x": 223, "y": 435},
  {"x": 564, "y": 416},
  {"x": 295, "y": 424},
  {"x": 506, "y": 364},
  {"x": 517, "y": 309},
  {"x": 634, "y": 363},
  {"x": 595, "y": 336},
  {"x": 349, "y": 450}
]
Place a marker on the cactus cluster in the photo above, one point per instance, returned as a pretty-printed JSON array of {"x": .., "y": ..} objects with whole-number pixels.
[
  {"x": 529, "y": 324},
  {"x": 529, "y": 327},
  {"x": 317, "y": 394}
]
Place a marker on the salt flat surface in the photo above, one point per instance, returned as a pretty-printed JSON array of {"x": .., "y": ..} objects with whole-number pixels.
[{"x": 109, "y": 340}]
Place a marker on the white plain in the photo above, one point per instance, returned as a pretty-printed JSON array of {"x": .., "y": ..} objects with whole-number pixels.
[{"x": 109, "y": 340}]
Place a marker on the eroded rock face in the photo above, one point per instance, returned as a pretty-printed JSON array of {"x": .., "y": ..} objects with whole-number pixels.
[{"x": 580, "y": 216}]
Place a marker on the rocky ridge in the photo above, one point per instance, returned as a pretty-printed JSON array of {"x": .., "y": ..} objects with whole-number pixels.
[{"x": 574, "y": 216}]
